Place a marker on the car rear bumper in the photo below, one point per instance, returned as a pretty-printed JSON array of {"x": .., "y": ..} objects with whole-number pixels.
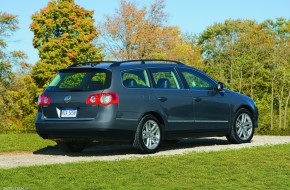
[{"x": 86, "y": 129}]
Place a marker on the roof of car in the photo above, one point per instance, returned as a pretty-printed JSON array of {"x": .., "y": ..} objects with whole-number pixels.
[
  {"x": 130, "y": 64},
  {"x": 127, "y": 63}
]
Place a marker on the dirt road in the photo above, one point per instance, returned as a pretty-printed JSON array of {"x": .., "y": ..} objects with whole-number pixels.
[{"x": 111, "y": 152}]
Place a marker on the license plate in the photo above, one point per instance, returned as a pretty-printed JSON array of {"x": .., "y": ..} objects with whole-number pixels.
[{"x": 69, "y": 112}]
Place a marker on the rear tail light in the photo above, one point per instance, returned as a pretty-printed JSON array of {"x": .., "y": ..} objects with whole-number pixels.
[
  {"x": 43, "y": 100},
  {"x": 103, "y": 99}
]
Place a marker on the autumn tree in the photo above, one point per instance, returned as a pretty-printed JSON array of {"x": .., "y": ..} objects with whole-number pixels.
[
  {"x": 8, "y": 25},
  {"x": 63, "y": 34},
  {"x": 125, "y": 35},
  {"x": 137, "y": 33},
  {"x": 16, "y": 98}
]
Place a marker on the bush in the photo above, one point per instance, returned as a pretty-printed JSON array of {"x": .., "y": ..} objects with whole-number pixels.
[{"x": 29, "y": 122}]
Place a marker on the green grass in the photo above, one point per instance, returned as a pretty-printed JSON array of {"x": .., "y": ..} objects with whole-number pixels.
[
  {"x": 265, "y": 167},
  {"x": 22, "y": 142}
]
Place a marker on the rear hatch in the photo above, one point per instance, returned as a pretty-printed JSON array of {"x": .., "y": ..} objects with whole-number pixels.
[{"x": 65, "y": 97}]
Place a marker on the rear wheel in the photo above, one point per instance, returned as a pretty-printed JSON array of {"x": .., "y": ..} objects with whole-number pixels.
[
  {"x": 148, "y": 135},
  {"x": 72, "y": 146},
  {"x": 243, "y": 127}
]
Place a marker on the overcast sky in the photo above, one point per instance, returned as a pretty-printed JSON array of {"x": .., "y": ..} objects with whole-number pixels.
[{"x": 192, "y": 16}]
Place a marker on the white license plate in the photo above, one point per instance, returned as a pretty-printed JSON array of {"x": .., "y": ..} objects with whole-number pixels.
[{"x": 69, "y": 112}]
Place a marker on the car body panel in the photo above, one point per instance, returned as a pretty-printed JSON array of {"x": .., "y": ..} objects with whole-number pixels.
[
  {"x": 212, "y": 109},
  {"x": 176, "y": 108},
  {"x": 182, "y": 114}
]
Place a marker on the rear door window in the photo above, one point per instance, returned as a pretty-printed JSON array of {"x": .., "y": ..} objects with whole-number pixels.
[
  {"x": 165, "y": 78},
  {"x": 81, "y": 80},
  {"x": 135, "y": 78}
]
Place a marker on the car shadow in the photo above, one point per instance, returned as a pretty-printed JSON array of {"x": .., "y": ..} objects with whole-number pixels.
[
  {"x": 93, "y": 149},
  {"x": 194, "y": 142},
  {"x": 118, "y": 149}
]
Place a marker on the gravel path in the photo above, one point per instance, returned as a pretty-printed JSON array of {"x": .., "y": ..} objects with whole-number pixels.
[{"x": 106, "y": 152}]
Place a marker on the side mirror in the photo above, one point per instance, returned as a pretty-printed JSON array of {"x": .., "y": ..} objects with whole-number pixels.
[{"x": 221, "y": 86}]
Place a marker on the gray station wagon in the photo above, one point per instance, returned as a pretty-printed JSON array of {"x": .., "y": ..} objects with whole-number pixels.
[{"x": 144, "y": 102}]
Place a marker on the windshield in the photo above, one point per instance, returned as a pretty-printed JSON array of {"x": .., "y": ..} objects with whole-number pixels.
[{"x": 81, "y": 80}]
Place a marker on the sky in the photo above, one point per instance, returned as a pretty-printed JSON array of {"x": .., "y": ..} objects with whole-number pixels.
[{"x": 191, "y": 16}]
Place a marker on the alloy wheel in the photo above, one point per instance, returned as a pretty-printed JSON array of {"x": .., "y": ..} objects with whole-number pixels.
[
  {"x": 151, "y": 134},
  {"x": 244, "y": 126}
]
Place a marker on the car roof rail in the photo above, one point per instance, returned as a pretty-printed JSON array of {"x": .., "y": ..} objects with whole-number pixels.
[
  {"x": 143, "y": 61},
  {"x": 118, "y": 63},
  {"x": 92, "y": 63}
]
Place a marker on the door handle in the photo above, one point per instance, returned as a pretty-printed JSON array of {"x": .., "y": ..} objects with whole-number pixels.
[
  {"x": 162, "y": 99},
  {"x": 197, "y": 99}
]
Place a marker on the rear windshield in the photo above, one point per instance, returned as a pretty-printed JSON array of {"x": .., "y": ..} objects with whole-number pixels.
[{"x": 81, "y": 80}]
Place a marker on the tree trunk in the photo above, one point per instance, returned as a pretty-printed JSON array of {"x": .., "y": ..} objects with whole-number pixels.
[
  {"x": 272, "y": 103},
  {"x": 281, "y": 95},
  {"x": 231, "y": 67},
  {"x": 280, "y": 113},
  {"x": 231, "y": 72},
  {"x": 286, "y": 109},
  {"x": 241, "y": 79},
  {"x": 220, "y": 66},
  {"x": 252, "y": 78}
]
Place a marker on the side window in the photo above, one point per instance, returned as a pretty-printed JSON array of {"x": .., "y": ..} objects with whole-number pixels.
[
  {"x": 194, "y": 81},
  {"x": 165, "y": 78},
  {"x": 135, "y": 79}
]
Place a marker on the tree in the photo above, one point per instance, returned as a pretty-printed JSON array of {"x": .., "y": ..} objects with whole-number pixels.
[
  {"x": 8, "y": 24},
  {"x": 135, "y": 33},
  {"x": 255, "y": 60},
  {"x": 125, "y": 34},
  {"x": 279, "y": 31},
  {"x": 63, "y": 34},
  {"x": 218, "y": 47},
  {"x": 13, "y": 89}
]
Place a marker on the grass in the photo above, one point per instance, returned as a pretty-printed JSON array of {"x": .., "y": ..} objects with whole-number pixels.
[
  {"x": 22, "y": 142},
  {"x": 265, "y": 167}
]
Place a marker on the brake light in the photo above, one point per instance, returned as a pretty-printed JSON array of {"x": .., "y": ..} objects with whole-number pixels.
[
  {"x": 43, "y": 100},
  {"x": 103, "y": 99}
]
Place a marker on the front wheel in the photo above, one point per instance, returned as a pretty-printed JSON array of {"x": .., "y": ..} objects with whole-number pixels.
[
  {"x": 148, "y": 135},
  {"x": 243, "y": 127}
]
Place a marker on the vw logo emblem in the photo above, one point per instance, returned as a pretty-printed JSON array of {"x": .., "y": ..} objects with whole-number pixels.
[{"x": 67, "y": 99}]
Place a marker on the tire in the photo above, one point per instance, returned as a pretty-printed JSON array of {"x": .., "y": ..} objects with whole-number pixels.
[
  {"x": 243, "y": 127},
  {"x": 148, "y": 135},
  {"x": 72, "y": 146}
]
